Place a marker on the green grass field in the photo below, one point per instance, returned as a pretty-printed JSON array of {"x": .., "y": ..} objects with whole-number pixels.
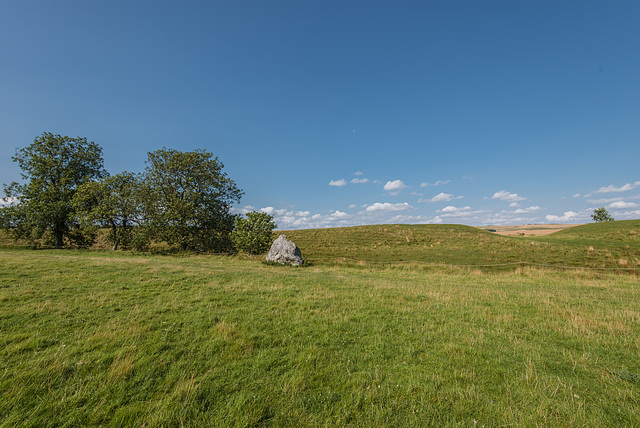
[{"x": 100, "y": 338}]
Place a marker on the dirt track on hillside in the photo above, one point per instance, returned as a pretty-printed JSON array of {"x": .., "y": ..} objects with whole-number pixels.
[{"x": 529, "y": 229}]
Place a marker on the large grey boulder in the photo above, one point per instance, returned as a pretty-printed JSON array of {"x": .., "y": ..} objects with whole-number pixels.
[{"x": 284, "y": 251}]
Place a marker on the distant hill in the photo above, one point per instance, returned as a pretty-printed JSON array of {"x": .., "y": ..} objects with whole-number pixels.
[{"x": 597, "y": 245}]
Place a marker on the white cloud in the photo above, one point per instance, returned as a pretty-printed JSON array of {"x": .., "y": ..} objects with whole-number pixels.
[
  {"x": 611, "y": 200},
  {"x": 527, "y": 210},
  {"x": 614, "y": 189},
  {"x": 437, "y": 183},
  {"x": 273, "y": 211},
  {"x": 466, "y": 213},
  {"x": 388, "y": 207},
  {"x": 404, "y": 213},
  {"x": 394, "y": 186},
  {"x": 358, "y": 173},
  {"x": 339, "y": 214},
  {"x": 435, "y": 220},
  {"x": 8, "y": 201},
  {"x": 304, "y": 220},
  {"x": 441, "y": 197},
  {"x": 360, "y": 180},
  {"x": 621, "y": 205},
  {"x": 514, "y": 205},
  {"x": 247, "y": 209},
  {"x": 452, "y": 209},
  {"x": 568, "y": 215},
  {"x": 628, "y": 215},
  {"x": 268, "y": 210},
  {"x": 577, "y": 195},
  {"x": 507, "y": 196},
  {"x": 338, "y": 183}
]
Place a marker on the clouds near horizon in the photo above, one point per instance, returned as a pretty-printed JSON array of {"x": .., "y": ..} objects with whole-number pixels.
[
  {"x": 452, "y": 209},
  {"x": 567, "y": 216},
  {"x": 621, "y": 205},
  {"x": 388, "y": 207},
  {"x": 442, "y": 197},
  {"x": 613, "y": 189},
  {"x": 527, "y": 210},
  {"x": 507, "y": 196}
]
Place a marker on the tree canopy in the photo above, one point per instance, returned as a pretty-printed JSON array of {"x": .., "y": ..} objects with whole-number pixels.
[
  {"x": 187, "y": 199},
  {"x": 600, "y": 215},
  {"x": 182, "y": 198},
  {"x": 54, "y": 167},
  {"x": 114, "y": 202}
]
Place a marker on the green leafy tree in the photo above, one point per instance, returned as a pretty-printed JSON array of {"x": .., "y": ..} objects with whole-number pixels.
[
  {"x": 254, "y": 233},
  {"x": 54, "y": 167},
  {"x": 187, "y": 199},
  {"x": 600, "y": 215},
  {"x": 115, "y": 203}
]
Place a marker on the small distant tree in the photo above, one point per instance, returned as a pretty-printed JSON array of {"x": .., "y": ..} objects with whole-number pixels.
[
  {"x": 114, "y": 203},
  {"x": 600, "y": 215},
  {"x": 254, "y": 233}
]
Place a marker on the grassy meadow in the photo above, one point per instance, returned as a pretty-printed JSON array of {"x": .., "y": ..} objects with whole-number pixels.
[
  {"x": 101, "y": 338},
  {"x": 610, "y": 245}
]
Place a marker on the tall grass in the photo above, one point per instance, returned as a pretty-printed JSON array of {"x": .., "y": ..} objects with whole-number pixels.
[{"x": 116, "y": 339}]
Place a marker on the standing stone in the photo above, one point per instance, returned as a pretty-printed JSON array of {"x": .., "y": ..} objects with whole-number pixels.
[{"x": 285, "y": 252}]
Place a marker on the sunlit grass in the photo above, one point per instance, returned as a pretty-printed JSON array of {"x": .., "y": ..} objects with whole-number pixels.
[
  {"x": 116, "y": 339},
  {"x": 611, "y": 245}
]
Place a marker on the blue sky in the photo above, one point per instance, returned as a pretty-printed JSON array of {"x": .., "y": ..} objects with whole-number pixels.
[{"x": 337, "y": 113}]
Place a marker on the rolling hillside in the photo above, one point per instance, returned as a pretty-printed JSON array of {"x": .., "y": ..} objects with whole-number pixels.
[{"x": 598, "y": 245}]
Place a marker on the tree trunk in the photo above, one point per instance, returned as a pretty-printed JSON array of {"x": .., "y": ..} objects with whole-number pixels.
[
  {"x": 58, "y": 233},
  {"x": 116, "y": 239}
]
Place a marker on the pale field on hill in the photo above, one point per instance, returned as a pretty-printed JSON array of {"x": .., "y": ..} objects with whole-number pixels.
[{"x": 529, "y": 229}]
